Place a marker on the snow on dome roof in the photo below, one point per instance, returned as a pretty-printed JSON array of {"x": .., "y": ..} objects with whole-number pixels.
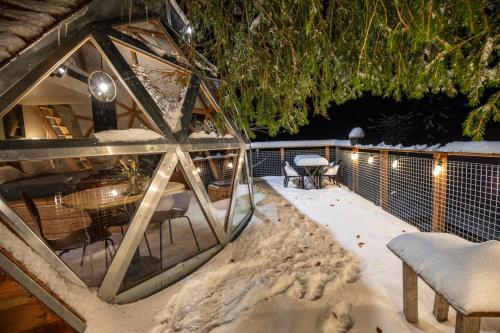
[
  {"x": 23, "y": 22},
  {"x": 357, "y": 132}
]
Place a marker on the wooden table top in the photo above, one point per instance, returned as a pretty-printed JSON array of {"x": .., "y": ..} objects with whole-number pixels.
[{"x": 111, "y": 196}]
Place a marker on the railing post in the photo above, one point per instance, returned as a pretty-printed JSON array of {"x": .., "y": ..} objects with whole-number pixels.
[
  {"x": 384, "y": 179},
  {"x": 327, "y": 153},
  {"x": 439, "y": 192},
  {"x": 282, "y": 158},
  {"x": 355, "y": 152}
]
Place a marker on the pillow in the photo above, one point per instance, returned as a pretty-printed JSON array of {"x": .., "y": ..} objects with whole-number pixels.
[
  {"x": 9, "y": 174},
  {"x": 35, "y": 168}
]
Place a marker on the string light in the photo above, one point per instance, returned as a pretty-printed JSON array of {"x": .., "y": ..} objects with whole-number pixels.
[
  {"x": 437, "y": 169},
  {"x": 354, "y": 156},
  {"x": 230, "y": 165},
  {"x": 395, "y": 164},
  {"x": 198, "y": 170},
  {"x": 370, "y": 160}
]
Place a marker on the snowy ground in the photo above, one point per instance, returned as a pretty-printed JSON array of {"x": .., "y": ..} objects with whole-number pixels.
[{"x": 309, "y": 261}]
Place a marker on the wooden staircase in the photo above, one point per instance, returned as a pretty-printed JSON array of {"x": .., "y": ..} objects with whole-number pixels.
[{"x": 55, "y": 127}]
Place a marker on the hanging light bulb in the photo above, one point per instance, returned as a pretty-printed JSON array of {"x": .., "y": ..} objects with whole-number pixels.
[
  {"x": 395, "y": 164},
  {"x": 354, "y": 156},
  {"x": 370, "y": 160},
  {"x": 61, "y": 71},
  {"x": 230, "y": 165},
  {"x": 437, "y": 169},
  {"x": 102, "y": 86}
]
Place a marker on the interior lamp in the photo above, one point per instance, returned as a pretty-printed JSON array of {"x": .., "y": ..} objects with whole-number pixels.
[
  {"x": 230, "y": 165},
  {"x": 102, "y": 86},
  {"x": 198, "y": 170},
  {"x": 61, "y": 71}
]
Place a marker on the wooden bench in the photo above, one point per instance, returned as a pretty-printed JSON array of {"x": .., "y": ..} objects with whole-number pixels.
[{"x": 464, "y": 275}]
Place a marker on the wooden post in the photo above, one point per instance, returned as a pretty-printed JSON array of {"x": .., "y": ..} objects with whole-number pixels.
[
  {"x": 384, "y": 179},
  {"x": 439, "y": 192},
  {"x": 282, "y": 158},
  {"x": 355, "y": 170},
  {"x": 410, "y": 294},
  {"x": 327, "y": 153},
  {"x": 467, "y": 324},
  {"x": 441, "y": 307},
  {"x": 337, "y": 154}
]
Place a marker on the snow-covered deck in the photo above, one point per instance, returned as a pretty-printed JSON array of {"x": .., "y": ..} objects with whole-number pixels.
[{"x": 309, "y": 261}]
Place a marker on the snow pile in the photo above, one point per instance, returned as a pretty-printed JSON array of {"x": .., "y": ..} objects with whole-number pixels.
[
  {"x": 211, "y": 135},
  {"x": 284, "y": 257},
  {"x": 309, "y": 160},
  {"x": 465, "y": 273},
  {"x": 166, "y": 91},
  {"x": 128, "y": 135},
  {"x": 298, "y": 143},
  {"x": 357, "y": 132},
  {"x": 487, "y": 147}
]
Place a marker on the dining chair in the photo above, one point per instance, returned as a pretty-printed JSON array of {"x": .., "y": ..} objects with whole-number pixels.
[
  {"x": 290, "y": 172},
  {"x": 76, "y": 239},
  {"x": 169, "y": 208},
  {"x": 331, "y": 172}
]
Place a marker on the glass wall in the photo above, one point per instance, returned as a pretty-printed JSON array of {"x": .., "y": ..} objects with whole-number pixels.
[
  {"x": 243, "y": 203},
  {"x": 177, "y": 231},
  {"x": 216, "y": 170},
  {"x": 64, "y": 106},
  {"x": 82, "y": 214}
]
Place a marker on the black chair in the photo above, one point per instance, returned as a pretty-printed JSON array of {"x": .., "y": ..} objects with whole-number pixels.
[
  {"x": 331, "y": 172},
  {"x": 290, "y": 172},
  {"x": 169, "y": 208},
  {"x": 77, "y": 239}
]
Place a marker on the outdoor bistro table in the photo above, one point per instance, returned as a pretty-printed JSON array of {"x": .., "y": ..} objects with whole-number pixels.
[
  {"x": 311, "y": 164},
  {"x": 118, "y": 195}
]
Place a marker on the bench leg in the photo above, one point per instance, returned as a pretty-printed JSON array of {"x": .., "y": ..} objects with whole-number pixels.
[
  {"x": 410, "y": 294},
  {"x": 441, "y": 307},
  {"x": 466, "y": 324}
]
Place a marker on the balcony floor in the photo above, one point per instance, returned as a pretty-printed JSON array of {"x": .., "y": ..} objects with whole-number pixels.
[{"x": 309, "y": 261}]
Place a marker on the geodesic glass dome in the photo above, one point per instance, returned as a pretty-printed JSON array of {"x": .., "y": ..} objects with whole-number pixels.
[{"x": 116, "y": 163}]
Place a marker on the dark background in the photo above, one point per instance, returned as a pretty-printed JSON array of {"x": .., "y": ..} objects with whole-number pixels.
[{"x": 430, "y": 120}]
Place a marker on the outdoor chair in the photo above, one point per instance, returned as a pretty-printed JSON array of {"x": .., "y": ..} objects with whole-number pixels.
[
  {"x": 290, "y": 172},
  {"x": 463, "y": 274},
  {"x": 77, "y": 239},
  {"x": 173, "y": 207},
  {"x": 331, "y": 172}
]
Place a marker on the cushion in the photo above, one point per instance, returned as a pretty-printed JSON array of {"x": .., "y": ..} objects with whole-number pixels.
[
  {"x": 9, "y": 174},
  {"x": 290, "y": 171},
  {"x": 464, "y": 273},
  {"x": 35, "y": 168}
]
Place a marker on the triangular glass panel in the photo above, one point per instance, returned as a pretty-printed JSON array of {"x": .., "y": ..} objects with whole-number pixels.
[
  {"x": 216, "y": 170},
  {"x": 243, "y": 203},
  {"x": 81, "y": 207},
  {"x": 81, "y": 97},
  {"x": 206, "y": 121},
  {"x": 177, "y": 231},
  {"x": 166, "y": 84},
  {"x": 152, "y": 34}
]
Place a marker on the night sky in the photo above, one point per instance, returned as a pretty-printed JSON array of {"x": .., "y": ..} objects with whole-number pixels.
[{"x": 433, "y": 119}]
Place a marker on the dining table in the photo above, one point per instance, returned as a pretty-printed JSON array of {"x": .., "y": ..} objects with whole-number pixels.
[
  {"x": 115, "y": 195},
  {"x": 311, "y": 165}
]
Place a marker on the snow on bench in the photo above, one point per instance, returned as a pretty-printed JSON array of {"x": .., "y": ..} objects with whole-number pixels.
[{"x": 463, "y": 274}]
